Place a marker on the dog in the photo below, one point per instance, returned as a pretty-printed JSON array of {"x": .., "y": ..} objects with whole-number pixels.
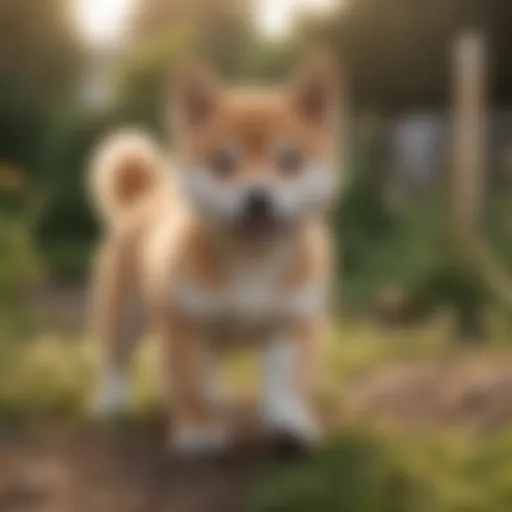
[{"x": 225, "y": 239}]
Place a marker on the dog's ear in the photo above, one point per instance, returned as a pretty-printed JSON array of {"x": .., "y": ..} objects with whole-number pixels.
[
  {"x": 315, "y": 88},
  {"x": 196, "y": 94}
]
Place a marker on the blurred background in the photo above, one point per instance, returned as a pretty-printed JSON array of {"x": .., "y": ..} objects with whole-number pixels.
[{"x": 421, "y": 336}]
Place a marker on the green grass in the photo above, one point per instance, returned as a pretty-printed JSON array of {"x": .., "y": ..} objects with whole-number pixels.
[
  {"x": 365, "y": 470},
  {"x": 57, "y": 376},
  {"x": 365, "y": 467}
]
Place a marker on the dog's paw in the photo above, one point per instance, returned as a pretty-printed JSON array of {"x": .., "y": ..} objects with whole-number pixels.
[
  {"x": 292, "y": 420},
  {"x": 203, "y": 440},
  {"x": 112, "y": 398}
]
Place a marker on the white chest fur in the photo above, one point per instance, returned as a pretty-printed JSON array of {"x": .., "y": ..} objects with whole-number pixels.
[{"x": 251, "y": 293}]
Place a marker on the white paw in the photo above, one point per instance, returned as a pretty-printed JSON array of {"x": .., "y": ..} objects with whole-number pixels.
[
  {"x": 201, "y": 440},
  {"x": 284, "y": 409},
  {"x": 291, "y": 417},
  {"x": 112, "y": 397}
]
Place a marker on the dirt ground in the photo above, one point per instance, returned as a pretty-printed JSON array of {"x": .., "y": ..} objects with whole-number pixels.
[{"x": 92, "y": 469}]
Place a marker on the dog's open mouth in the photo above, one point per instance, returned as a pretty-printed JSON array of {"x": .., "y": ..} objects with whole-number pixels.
[{"x": 259, "y": 227}]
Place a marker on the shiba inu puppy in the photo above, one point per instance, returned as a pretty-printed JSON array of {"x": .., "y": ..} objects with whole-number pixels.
[{"x": 223, "y": 240}]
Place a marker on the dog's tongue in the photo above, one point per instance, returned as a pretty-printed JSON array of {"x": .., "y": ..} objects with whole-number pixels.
[{"x": 258, "y": 228}]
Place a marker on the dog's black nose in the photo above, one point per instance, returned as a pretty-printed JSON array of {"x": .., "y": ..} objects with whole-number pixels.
[{"x": 258, "y": 203}]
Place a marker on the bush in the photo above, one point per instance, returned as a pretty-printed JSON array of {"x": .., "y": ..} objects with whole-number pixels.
[
  {"x": 411, "y": 251},
  {"x": 354, "y": 474},
  {"x": 19, "y": 271},
  {"x": 59, "y": 172}
]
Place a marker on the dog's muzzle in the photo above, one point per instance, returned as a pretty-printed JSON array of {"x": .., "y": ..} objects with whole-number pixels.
[{"x": 258, "y": 219}]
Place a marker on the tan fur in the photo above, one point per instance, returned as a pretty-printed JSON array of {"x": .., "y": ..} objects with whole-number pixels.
[{"x": 155, "y": 241}]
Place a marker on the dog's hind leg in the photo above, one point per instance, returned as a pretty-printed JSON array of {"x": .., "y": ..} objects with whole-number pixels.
[{"x": 118, "y": 323}]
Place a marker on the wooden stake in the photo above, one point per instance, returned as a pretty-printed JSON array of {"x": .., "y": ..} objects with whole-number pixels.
[{"x": 468, "y": 181}]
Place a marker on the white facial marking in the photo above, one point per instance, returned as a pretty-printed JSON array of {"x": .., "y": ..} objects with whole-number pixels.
[
  {"x": 283, "y": 407},
  {"x": 205, "y": 191},
  {"x": 314, "y": 187}
]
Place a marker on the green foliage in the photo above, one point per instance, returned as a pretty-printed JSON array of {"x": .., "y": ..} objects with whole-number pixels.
[
  {"x": 498, "y": 223},
  {"x": 18, "y": 264},
  {"x": 218, "y": 32},
  {"x": 66, "y": 223},
  {"x": 354, "y": 473},
  {"x": 412, "y": 250},
  {"x": 19, "y": 272},
  {"x": 142, "y": 81},
  {"x": 39, "y": 63},
  {"x": 38, "y": 381},
  {"x": 392, "y": 472},
  {"x": 267, "y": 61},
  {"x": 362, "y": 218},
  {"x": 23, "y": 115}
]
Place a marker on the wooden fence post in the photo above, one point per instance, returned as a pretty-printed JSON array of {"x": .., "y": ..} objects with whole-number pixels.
[
  {"x": 468, "y": 182},
  {"x": 469, "y": 116}
]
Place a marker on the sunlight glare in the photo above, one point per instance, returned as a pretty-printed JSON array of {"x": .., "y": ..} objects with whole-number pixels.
[
  {"x": 275, "y": 17},
  {"x": 102, "y": 21}
]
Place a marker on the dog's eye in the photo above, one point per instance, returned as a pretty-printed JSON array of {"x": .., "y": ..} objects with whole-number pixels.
[
  {"x": 289, "y": 161},
  {"x": 225, "y": 161}
]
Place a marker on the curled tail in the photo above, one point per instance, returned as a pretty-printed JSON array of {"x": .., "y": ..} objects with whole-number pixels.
[{"x": 126, "y": 167}]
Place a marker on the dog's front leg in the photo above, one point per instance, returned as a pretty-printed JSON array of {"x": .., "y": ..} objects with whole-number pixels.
[
  {"x": 290, "y": 368},
  {"x": 197, "y": 427}
]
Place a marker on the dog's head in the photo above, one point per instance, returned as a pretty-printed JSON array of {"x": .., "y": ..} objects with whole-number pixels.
[{"x": 258, "y": 162}]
